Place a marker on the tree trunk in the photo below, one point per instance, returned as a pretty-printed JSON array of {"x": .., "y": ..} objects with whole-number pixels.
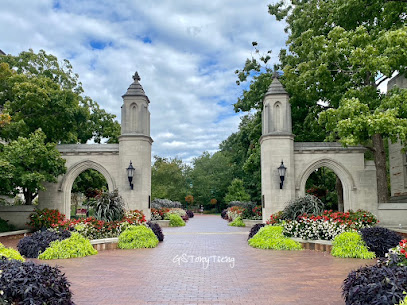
[
  {"x": 28, "y": 196},
  {"x": 339, "y": 191},
  {"x": 381, "y": 171}
]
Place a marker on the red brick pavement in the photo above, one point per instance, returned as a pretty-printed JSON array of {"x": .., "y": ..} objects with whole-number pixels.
[{"x": 156, "y": 276}]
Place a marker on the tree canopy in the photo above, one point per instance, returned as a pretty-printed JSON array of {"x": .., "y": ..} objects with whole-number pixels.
[
  {"x": 236, "y": 192},
  {"x": 34, "y": 86},
  {"x": 168, "y": 179},
  {"x": 210, "y": 177},
  {"x": 339, "y": 53},
  {"x": 89, "y": 179},
  {"x": 26, "y": 163}
]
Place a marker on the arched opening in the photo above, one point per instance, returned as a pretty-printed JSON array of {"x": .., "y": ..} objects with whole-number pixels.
[
  {"x": 85, "y": 188},
  {"x": 71, "y": 175},
  {"x": 327, "y": 186},
  {"x": 347, "y": 181}
]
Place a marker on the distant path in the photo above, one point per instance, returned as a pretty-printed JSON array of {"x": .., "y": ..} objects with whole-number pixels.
[{"x": 154, "y": 276}]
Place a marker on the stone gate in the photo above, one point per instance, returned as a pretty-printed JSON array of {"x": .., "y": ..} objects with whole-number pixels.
[
  {"x": 111, "y": 160},
  {"x": 358, "y": 176}
]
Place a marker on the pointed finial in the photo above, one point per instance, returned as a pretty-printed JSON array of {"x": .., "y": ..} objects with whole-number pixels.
[
  {"x": 276, "y": 74},
  {"x": 136, "y": 77}
]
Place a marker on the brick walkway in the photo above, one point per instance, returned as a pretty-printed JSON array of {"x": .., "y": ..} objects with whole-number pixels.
[{"x": 154, "y": 276}]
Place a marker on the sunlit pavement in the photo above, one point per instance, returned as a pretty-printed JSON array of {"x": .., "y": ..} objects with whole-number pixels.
[{"x": 207, "y": 262}]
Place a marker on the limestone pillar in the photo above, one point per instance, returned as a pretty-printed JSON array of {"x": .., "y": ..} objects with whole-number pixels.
[
  {"x": 135, "y": 146},
  {"x": 277, "y": 145}
]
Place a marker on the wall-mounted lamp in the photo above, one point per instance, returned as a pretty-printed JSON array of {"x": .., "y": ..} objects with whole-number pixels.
[
  {"x": 281, "y": 171},
  {"x": 130, "y": 174}
]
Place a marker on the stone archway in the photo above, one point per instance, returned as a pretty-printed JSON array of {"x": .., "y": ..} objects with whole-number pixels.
[
  {"x": 343, "y": 174},
  {"x": 73, "y": 172}
]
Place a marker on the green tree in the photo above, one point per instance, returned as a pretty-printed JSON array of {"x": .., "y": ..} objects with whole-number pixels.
[
  {"x": 33, "y": 86},
  {"x": 89, "y": 178},
  {"x": 210, "y": 176},
  {"x": 339, "y": 52},
  {"x": 243, "y": 149},
  {"x": 236, "y": 192},
  {"x": 26, "y": 163},
  {"x": 168, "y": 179},
  {"x": 322, "y": 183}
]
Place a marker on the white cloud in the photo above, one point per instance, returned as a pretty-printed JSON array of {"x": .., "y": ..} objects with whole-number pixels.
[{"x": 185, "y": 51}]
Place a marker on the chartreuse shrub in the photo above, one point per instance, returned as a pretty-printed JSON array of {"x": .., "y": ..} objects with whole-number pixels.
[
  {"x": 237, "y": 222},
  {"x": 9, "y": 253},
  {"x": 28, "y": 283},
  {"x": 350, "y": 244},
  {"x": 403, "y": 302},
  {"x": 135, "y": 237},
  {"x": 74, "y": 246},
  {"x": 176, "y": 221},
  {"x": 271, "y": 237},
  {"x": 376, "y": 284}
]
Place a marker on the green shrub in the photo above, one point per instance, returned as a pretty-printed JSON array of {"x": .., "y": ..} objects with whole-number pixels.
[
  {"x": 350, "y": 244},
  {"x": 74, "y": 246},
  {"x": 10, "y": 253},
  {"x": 238, "y": 222},
  {"x": 176, "y": 221},
  {"x": 135, "y": 237},
  {"x": 5, "y": 226},
  {"x": 271, "y": 237},
  {"x": 304, "y": 205}
]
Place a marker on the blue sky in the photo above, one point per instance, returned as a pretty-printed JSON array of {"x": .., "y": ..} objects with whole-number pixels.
[{"x": 185, "y": 51}]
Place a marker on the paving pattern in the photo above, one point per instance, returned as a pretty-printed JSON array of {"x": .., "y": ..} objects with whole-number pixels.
[{"x": 207, "y": 262}]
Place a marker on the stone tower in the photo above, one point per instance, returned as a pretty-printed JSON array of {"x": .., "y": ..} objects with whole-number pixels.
[
  {"x": 135, "y": 146},
  {"x": 277, "y": 145}
]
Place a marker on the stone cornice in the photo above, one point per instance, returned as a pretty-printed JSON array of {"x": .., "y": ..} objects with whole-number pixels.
[
  {"x": 276, "y": 135},
  {"x": 132, "y": 136},
  {"x": 76, "y": 149},
  {"x": 310, "y": 147}
]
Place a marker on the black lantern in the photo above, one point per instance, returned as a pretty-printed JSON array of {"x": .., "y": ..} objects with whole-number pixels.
[
  {"x": 130, "y": 174},
  {"x": 281, "y": 171}
]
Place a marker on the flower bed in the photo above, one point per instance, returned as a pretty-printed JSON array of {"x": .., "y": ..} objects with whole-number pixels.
[
  {"x": 244, "y": 210},
  {"x": 91, "y": 228},
  {"x": 325, "y": 226},
  {"x": 163, "y": 214}
]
